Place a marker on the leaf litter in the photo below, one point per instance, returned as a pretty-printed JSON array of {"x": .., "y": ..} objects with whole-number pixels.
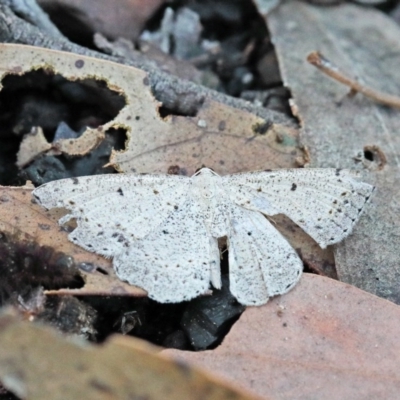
[
  {"x": 390, "y": 210},
  {"x": 249, "y": 142}
]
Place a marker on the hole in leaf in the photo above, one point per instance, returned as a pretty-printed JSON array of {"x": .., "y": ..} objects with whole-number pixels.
[
  {"x": 102, "y": 271},
  {"x": 63, "y": 109},
  {"x": 165, "y": 111},
  {"x": 375, "y": 156},
  {"x": 369, "y": 155},
  {"x": 42, "y": 98}
]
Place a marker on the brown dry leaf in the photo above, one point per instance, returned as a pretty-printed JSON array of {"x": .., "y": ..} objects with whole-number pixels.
[
  {"x": 323, "y": 340},
  {"x": 19, "y": 214},
  {"x": 122, "y": 368},
  {"x": 119, "y": 18},
  {"x": 220, "y": 137},
  {"x": 33, "y": 145},
  {"x": 341, "y": 131}
]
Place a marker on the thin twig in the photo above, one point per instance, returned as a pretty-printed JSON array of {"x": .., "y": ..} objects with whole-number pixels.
[{"x": 323, "y": 64}]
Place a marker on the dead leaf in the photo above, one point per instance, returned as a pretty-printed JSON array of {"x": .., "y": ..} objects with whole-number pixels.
[
  {"x": 220, "y": 137},
  {"x": 320, "y": 261},
  {"x": 122, "y": 368},
  {"x": 323, "y": 340},
  {"x": 340, "y": 131},
  {"x": 121, "y": 18},
  {"x": 32, "y": 222}
]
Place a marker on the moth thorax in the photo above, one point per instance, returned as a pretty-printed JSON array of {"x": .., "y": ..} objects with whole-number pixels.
[{"x": 204, "y": 185}]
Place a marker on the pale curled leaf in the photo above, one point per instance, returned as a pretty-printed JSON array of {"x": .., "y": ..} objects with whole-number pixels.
[
  {"x": 220, "y": 137},
  {"x": 122, "y": 368},
  {"x": 33, "y": 144},
  {"x": 162, "y": 230},
  {"x": 323, "y": 340}
]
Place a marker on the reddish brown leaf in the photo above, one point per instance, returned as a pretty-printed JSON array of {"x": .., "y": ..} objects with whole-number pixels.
[
  {"x": 322, "y": 340},
  {"x": 32, "y": 222}
]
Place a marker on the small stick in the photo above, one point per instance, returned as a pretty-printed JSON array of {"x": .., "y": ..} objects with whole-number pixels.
[{"x": 323, "y": 64}]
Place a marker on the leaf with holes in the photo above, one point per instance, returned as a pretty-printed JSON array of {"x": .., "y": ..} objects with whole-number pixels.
[{"x": 218, "y": 136}]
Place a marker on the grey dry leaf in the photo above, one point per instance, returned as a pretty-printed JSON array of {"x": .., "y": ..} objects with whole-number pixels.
[
  {"x": 162, "y": 231},
  {"x": 220, "y": 137},
  {"x": 349, "y": 132}
]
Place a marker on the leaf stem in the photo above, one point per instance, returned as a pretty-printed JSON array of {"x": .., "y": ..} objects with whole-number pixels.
[{"x": 323, "y": 64}]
